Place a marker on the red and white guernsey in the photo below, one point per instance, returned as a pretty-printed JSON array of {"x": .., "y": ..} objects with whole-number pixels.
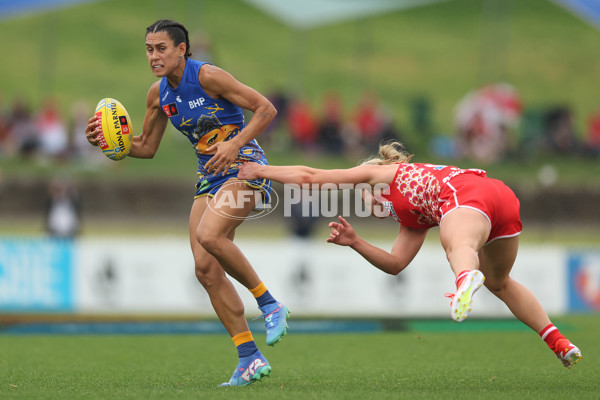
[{"x": 418, "y": 192}]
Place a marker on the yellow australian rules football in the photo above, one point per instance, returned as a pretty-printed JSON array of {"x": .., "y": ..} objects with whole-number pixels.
[{"x": 115, "y": 135}]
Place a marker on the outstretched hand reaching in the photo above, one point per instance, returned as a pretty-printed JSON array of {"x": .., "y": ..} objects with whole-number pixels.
[{"x": 341, "y": 233}]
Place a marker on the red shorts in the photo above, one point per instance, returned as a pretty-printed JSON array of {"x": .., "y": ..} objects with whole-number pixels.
[{"x": 496, "y": 201}]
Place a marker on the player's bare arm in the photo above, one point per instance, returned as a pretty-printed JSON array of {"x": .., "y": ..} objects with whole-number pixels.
[
  {"x": 405, "y": 248},
  {"x": 299, "y": 174},
  {"x": 220, "y": 84},
  {"x": 146, "y": 144}
]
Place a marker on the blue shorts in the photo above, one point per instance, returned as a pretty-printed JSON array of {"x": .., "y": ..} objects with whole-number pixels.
[{"x": 208, "y": 185}]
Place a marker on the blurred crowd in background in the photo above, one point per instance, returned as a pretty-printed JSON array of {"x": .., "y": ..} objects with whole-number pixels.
[
  {"x": 329, "y": 128},
  {"x": 46, "y": 134},
  {"x": 491, "y": 124}
]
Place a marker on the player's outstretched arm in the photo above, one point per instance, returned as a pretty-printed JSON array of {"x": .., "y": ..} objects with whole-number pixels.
[
  {"x": 146, "y": 144},
  {"x": 406, "y": 246},
  {"x": 300, "y": 174}
]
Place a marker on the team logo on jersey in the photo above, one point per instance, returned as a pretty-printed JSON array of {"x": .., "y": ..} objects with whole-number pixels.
[
  {"x": 214, "y": 109},
  {"x": 216, "y": 135},
  {"x": 170, "y": 109},
  {"x": 178, "y": 98},
  {"x": 206, "y": 124},
  {"x": 186, "y": 122},
  {"x": 213, "y": 139},
  {"x": 390, "y": 208}
]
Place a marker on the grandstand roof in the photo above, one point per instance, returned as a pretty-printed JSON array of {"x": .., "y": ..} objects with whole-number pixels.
[
  {"x": 12, "y": 8},
  {"x": 588, "y": 10},
  {"x": 311, "y": 13}
]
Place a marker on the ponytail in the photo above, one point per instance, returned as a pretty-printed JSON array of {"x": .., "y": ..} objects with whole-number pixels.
[{"x": 390, "y": 153}]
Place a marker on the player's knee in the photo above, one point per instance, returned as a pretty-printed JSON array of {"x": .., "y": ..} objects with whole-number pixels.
[
  {"x": 208, "y": 240},
  {"x": 205, "y": 280},
  {"x": 460, "y": 248},
  {"x": 206, "y": 274},
  {"x": 202, "y": 269},
  {"x": 497, "y": 287}
]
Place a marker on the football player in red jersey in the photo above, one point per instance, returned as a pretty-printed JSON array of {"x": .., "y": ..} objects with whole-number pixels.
[{"x": 479, "y": 228}]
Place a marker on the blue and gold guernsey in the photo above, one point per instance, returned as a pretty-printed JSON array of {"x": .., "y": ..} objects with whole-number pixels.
[{"x": 206, "y": 121}]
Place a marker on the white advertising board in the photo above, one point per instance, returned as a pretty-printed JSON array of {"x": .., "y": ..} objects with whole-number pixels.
[{"x": 312, "y": 278}]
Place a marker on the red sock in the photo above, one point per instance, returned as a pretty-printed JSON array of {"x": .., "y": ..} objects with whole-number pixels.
[
  {"x": 551, "y": 335},
  {"x": 461, "y": 277}
]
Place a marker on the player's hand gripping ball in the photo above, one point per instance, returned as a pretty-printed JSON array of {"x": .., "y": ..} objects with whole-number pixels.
[{"x": 114, "y": 137}]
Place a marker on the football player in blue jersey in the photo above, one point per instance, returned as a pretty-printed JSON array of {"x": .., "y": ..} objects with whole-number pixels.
[{"x": 205, "y": 103}]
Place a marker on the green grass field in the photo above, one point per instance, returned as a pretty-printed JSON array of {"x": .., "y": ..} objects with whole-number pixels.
[{"x": 431, "y": 360}]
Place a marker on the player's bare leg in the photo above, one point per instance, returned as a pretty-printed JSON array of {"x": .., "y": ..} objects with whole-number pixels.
[
  {"x": 230, "y": 206},
  {"x": 223, "y": 296},
  {"x": 496, "y": 262},
  {"x": 462, "y": 232},
  {"x": 252, "y": 365},
  {"x": 225, "y": 212}
]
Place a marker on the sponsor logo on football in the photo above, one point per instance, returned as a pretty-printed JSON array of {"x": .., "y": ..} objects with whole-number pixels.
[
  {"x": 101, "y": 140},
  {"x": 124, "y": 125},
  {"x": 116, "y": 120}
]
